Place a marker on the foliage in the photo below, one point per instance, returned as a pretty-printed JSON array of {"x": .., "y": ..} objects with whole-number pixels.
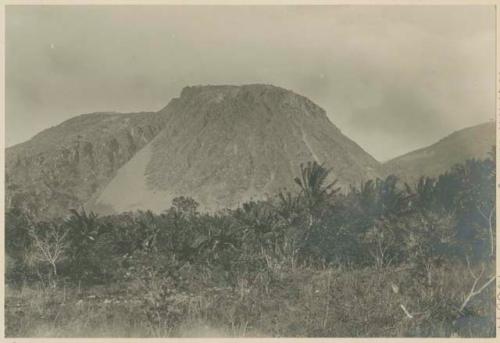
[{"x": 267, "y": 250}]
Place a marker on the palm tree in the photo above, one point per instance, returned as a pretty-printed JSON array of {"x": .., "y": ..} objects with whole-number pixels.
[
  {"x": 313, "y": 184},
  {"x": 84, "y": 229},
  {"x": 315, "y": 192}
]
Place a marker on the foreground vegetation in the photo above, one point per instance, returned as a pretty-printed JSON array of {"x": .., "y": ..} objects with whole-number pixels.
[{"x": 381, "y": 259}]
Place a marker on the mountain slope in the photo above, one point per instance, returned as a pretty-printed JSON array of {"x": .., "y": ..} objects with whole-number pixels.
[
  {"x": 472, "y": 142},
  {"x": 63, "y": 166},
  {"x": 223, "y": 145}
]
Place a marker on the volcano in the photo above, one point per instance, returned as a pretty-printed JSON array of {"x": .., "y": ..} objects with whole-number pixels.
[{"x": 225, "y": 145}]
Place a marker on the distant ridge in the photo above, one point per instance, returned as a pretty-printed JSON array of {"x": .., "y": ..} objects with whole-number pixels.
[{"x": 472, "y": 142}]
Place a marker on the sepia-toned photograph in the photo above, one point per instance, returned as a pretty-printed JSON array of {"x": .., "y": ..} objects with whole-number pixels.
[{"x": 250, "y": 170}]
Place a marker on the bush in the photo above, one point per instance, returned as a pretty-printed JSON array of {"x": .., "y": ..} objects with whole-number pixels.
[{"x": 384, "y": 259}]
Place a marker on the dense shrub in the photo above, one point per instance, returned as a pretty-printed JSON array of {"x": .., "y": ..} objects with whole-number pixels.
[{"x": 261, "y": 250}]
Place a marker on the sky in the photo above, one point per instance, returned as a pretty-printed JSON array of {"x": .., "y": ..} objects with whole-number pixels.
[{"x": 392, "y": 78}]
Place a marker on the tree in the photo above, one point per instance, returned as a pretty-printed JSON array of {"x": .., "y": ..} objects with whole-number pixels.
[
  {"x": 381, "y": 240},
  {"x": 312, "y": 183},
  {"x": 185, "y": 205},
  {"x": 315, "y": 197},
  {"x": 17, "y": 241},
  {"x": 476, "y": 204},
  {"x": 429, "y": 237},
  {"x": 84, "y": 230},
  {"x": 50, "y": 244}
]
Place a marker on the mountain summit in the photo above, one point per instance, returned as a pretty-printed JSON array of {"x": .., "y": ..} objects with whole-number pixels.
[
  {"x": 221, "y": 145},
  {"x": 224, "y": 145}
]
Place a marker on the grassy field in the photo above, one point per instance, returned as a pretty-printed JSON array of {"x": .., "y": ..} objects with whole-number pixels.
[{"x": 327, "y": 302}]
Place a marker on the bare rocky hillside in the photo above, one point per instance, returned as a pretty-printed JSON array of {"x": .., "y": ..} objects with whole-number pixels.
[
  {"x": 221, "y": 145},
  {"x": 63, "y": 166},
  {"x": 224, "y": 145}
]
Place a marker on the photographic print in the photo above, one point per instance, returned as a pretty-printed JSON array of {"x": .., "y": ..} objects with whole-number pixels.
[{"x": 250, "y": 170}]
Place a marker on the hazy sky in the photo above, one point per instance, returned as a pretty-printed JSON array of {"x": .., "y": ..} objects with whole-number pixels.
[{"x": 393, "y": 79}]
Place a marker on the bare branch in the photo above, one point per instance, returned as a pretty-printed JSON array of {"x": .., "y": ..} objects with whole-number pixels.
[{"x": 475, "y": 289}]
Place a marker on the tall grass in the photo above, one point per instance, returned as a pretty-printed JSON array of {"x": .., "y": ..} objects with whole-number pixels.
[
  {"x": 383, "y": 260},
  {"x": 301, "y": 302}
]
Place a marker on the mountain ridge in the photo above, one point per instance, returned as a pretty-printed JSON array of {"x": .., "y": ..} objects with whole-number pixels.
[
  {"x": 220, "y": 144},
  {"x": 470, "y": 142},
  {"x": 62, "y": 166}
]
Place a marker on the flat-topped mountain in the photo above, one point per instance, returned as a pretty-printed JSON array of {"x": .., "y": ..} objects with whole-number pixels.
[
  {"x": 224, "y": 145},
  {"x": 221, "y": 145}
]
